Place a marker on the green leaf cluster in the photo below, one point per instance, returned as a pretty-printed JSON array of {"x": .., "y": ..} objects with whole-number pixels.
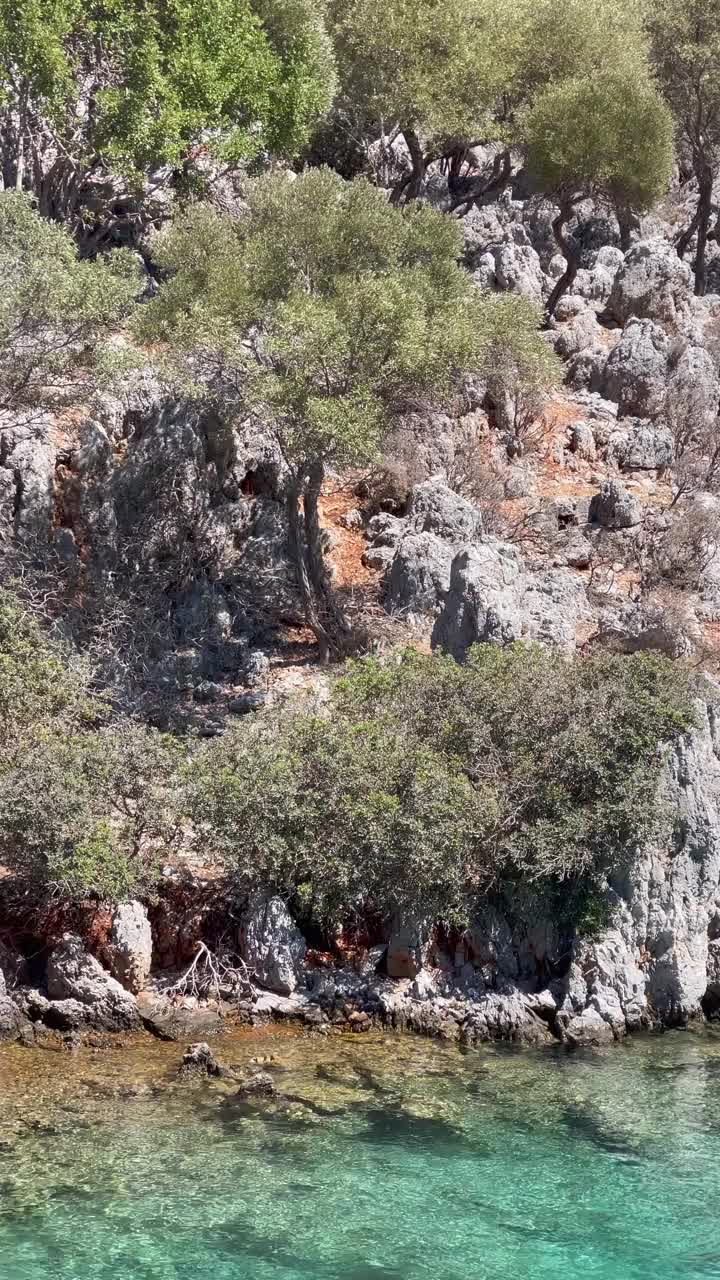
[
  {"x": 331, "y": 309},
  {"x": 53, "y": 307},
  {"x": 140, "y": 83},
  {"x": 429, "y": 785},
  {"x": 85, "y": 800}
]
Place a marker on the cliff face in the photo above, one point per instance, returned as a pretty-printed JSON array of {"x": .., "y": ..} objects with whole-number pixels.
[{"x": 658, "y": 961}]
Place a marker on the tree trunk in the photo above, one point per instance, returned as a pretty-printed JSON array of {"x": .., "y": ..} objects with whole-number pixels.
[
  {"x": 704, "y": 210},
  {"x": 411, "y": 185},
  {"x": 322, "y": 612},
  {"x": 477, "y": 190},
  {"x": 569, "y": 253},
  {"x": 627, "y": 222}
]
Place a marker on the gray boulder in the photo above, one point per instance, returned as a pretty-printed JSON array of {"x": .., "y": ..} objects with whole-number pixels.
[
  {"x": 636, "y": 371},
  {"x": 653, "y": 283},
  {"x": 582, "y": 332},
  {"x": 437, "y": 509},
  {"x": 693, "y": 388},
  {"x": 73, "y": 974},
  {"x": 518, "y": 268},
  {"x": 483, "y": 601},
  {"x": 272, "y": 945},
  {"x": 131, "y": 946},
  {"x": 419, "y": 573},
  {"x": 438, "y": 521},
  {"x": 11, "y": 1019},
  {"x": 27, "y": 471},
  {"x": 614, "y": 508},
  {"x": 637, "y": 445}
]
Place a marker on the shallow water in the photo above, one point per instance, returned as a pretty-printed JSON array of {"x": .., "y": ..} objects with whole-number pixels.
[{"x": 395, "y": 1159}]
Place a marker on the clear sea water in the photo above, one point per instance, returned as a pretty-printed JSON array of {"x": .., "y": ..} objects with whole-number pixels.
[{"x": 392, "y": 1159}]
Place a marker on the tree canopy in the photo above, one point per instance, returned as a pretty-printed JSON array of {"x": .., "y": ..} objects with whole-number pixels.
[
  {"x": 54, "y": 308},
  {"x": 686, "y": 53},
  {"x": 330, "y": 310},
  {"x": 88, "y": 88}
]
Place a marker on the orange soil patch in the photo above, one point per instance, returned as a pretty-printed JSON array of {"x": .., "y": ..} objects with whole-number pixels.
[{"x": 349, "y": 544}]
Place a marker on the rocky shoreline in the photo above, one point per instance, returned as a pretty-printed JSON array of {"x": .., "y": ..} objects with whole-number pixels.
[{"x": 655, "y": 965}]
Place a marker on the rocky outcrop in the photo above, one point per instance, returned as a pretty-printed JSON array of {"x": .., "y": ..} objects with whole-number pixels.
[
  {"x": 73, "y": 974},
  {"x": 614, "y": 508},
  {"x": 271, "y": 943},
  {"x": 636, "y": 371},
  {"x": 438, "y": 561},
  {"x": 130, "y": 950},
  {"x": 653, "y": 283}
]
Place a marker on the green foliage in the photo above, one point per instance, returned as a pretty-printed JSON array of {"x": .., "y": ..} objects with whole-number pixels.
[
  {"x": 85, "y": 802},
  {"x": 352, "y": 308},
  {"x": 685, "y": 37},
  {"x": 53, "y": 307},
  {"x": 38, "y": 689},
  {"x": 514, "y": 360},
  {"x": 431, "y": 784},
  {"x": 609, "y": 134},
  {"x": 439, "y": 69},
  {"x": 140, "y": 83}
]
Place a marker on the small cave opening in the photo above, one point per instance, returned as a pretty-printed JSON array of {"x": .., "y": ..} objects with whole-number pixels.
[{"x": 259, "y": 482}]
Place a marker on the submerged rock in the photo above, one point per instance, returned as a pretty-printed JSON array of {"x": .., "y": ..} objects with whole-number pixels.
[
  {"x": 199, "y": 1059},
  {"x": 258, "y": 1085}
]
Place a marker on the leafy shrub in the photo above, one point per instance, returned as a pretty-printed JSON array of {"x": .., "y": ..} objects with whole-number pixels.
[
  {"x": 431, "y": 784},
  {"x": 85, "y": 802}
]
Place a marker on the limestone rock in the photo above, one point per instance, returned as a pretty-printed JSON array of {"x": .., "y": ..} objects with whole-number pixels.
[
  {"x": 653, "y": 283},
  {"x": 636, "y": 371},
  {"x": 640, "y": 446},
  {"x": 74, "y": 974},
  {"x": 614, "y": 508},
  {"x": 408, "y": 948},
  {"x": 11, "y": 1018},
  {"x": 131, "y": 946},
  {"x": 272, "y": 945},
  {"x": 199, "y": 1060}
]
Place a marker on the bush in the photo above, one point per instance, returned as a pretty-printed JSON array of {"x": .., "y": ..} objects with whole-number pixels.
[
  {"x": 432, "y": 784},
  {"x": 85, "y": 802}
]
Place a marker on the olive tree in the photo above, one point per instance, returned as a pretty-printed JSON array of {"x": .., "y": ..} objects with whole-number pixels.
[
  {"x": 327, "y": 311},
  {"x": 685, "y": 38},
  {"x": 54, "y": 309},
  {"x": 441, "y": 76},
  {"x": 147, "y": 90},
  {"x": 453, "y": 77},
  {"x": 86, "y": 799},
  {"x": 608, "y": 136}
]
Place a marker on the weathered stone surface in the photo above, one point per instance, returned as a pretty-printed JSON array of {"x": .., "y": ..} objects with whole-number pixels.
[
  {"x": 177, "y": 1020},
  {"x": 130, "y": 949},
  {"x": 272, "y": 945},
  {"x": 11, "y": 1018},
  {"x": 199, "y": 1060},
  {"x": 636, "y": 371},
  {"x": 74, "y": 974},
  {"x": 640, "y": 446},
  {"x": 614, "y": 508},
  {"x": 258, "y": 1085},
  {"x": 653, "y": 283},
  {"x": 408, "y": 948}
]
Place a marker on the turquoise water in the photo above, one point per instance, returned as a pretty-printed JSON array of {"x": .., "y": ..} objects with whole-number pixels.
[{"x": 391, "y": 1159}]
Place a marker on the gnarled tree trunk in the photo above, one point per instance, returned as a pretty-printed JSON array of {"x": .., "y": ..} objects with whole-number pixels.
[
  {"x": 569, "y": 252},
  {"x": 323, "y": 613}
]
